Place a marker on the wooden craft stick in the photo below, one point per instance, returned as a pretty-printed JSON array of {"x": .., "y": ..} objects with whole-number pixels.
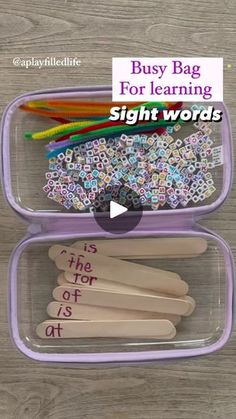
[
  {"x": 72, "y": 311},
  {"x": 192, "y": 304},
  {"x": 98, "y": 283},
  {"x": 61, "y": 279},
  {"x": 102, "y": 284},
  {"x": 151, "y": 257},
  {"x": 145, "y": 248},
  {"x": 112, "y": 299},
  {"x": 175, "y": 247},
  {"x": 95, "y": 265},
  {"x": 158, "y": 329}
]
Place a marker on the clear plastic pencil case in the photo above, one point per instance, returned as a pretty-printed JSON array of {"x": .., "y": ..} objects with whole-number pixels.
[{"x": 207, "y": 267}]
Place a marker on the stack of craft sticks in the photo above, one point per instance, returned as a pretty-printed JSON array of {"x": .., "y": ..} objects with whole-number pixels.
[{"x": 99, "y": 294}]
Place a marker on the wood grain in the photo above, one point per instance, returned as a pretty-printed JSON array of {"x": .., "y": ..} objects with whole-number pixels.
[{"x": 94, "y": 31}]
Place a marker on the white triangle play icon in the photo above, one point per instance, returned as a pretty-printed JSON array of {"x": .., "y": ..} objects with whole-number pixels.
[{"x": 116, "y": 209}]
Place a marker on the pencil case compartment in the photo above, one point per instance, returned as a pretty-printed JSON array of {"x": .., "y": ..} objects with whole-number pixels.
[
  {"x": 24, "y": 164},
  {"x": 209, "y": 275}
]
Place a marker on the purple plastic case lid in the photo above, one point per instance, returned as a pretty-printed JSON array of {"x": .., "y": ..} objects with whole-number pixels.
[
  {"x": 99, "y": 91},
  {"x": 119, "y": 356}
]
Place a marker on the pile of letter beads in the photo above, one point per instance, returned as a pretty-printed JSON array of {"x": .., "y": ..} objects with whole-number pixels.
[{"x": 153, "y": 171}]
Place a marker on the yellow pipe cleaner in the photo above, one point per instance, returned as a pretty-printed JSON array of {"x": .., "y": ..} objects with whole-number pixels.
[{"x": 57, "y": 130}]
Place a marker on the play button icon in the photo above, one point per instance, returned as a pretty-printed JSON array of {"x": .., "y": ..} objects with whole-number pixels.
[{"x": 116, "y": 209}]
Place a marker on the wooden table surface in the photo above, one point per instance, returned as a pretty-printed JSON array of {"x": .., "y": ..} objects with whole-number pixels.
[{"x": 94, "y": 31}]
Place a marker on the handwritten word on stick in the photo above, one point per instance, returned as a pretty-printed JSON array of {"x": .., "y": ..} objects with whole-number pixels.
[
  {"x": 75, "y": 261},
  {"x": 116, "y": 287},
  {"x": 72, "y": 311},
  {"x": 174, "y": 247},
  {"x": 69, "y": 278},
  {"x": 107, "y": 298},
  {"x": 158, "y": 329}
]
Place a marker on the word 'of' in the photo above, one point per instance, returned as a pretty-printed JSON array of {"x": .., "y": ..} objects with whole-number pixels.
[{"x": 72, "y": 296}]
